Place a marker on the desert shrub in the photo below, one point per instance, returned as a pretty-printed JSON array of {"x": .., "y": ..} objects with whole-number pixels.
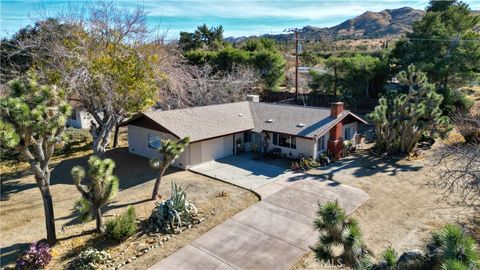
[
  {"x": 74, "y": 137},
  {"x": 173, "y": 212},
  {"x": 123, "y": 226},
  {"x": 468, "y": 124},
  {"x": 37, "y": 256},
  {"x": 90, "y": 258}
]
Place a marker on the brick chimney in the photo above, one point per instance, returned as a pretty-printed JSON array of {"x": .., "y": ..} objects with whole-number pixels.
[
  {"x": 335, "y": 141},
  {"x": 336, "y": 108}
]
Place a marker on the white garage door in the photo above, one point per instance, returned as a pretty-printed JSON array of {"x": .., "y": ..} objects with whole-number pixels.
[{"x": 216, "y": 148}]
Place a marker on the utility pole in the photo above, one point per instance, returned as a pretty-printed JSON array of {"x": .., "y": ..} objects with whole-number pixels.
[{"x": 296, "y": 65}]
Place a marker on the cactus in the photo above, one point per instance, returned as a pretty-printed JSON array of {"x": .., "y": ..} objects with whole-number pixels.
[
  {"x": 175, "y": 211},
  {"x": 401, "y": 118},
  {"x": 103, "y": 186}
]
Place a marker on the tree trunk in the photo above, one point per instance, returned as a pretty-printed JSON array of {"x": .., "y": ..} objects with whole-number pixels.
[
  {"x": 156, "y": 188},
  {"x": 49, "y": 215},
  {"x": 115, "y": 136},
  {"x": 99, "y": 218},
  {"x": 101, "y": 140}
]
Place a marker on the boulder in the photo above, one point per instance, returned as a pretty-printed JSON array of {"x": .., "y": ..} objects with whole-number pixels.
[{"x": 411, "y": 260}]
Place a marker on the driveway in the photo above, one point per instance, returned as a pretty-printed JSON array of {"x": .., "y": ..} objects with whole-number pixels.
[
  {"x": 272, "y": 234},
  {"x": 241, "y": 171}
]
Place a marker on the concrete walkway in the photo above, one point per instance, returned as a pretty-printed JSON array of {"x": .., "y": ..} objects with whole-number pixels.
[{"x": 272, "y": 234}]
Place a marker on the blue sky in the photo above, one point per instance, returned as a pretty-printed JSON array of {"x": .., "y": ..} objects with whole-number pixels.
[{"x": 238, "y": 17}]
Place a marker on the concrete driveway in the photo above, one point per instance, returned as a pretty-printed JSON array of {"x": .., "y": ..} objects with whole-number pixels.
[
  {"x": 242, "y": 171},
  {"x": 272, "y": 234}
]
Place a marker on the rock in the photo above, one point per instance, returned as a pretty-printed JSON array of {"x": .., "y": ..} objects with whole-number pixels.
[{"x": 411, "y": 260}]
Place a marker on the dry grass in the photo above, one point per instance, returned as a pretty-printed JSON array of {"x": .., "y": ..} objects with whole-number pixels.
[{"x": 22, "y": 219}]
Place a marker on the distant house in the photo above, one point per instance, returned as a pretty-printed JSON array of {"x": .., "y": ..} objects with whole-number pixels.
[
  {"x": 218, "y": 131},
  {"x": 79, "y": 118}
]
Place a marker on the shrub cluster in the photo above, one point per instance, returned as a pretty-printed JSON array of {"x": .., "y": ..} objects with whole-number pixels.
[
  {"x": 90, "y": 258},
  {"x": 37, "y": 256},
  {"x": 305, "y": 164},
  {"x": 123, "y": 226}
]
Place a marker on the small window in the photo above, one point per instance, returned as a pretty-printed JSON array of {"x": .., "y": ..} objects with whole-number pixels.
[
  {"x": 286, "y": 140},
  {"x": 154, "y": 141},
  {"x": 348, "y": 134},
  {"x": 247, "y": 137},
  {"x": 275, "y": 138},
  {"x": 321, "y": 143}
]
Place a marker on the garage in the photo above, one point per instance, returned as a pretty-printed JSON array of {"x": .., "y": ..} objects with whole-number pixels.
[{"x": 217, "y": 148}]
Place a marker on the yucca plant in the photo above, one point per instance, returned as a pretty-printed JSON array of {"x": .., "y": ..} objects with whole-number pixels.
[
  {"x": 174, "y": 211},
  {"x": 336, "y": 229},
  {"x": 102, "y": 187},
  {"x": 389, "y": 259},
  {"x": 451, "y": 247},
  {"x": 169, "y": 151},
  {"x": 455, "y": 265}
]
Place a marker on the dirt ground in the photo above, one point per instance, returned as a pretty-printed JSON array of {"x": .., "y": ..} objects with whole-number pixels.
[
  {"x": 404, "y": 208},
  {"x": 22, "y": 219}
]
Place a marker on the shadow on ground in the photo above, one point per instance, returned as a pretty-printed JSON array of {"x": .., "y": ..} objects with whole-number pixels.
[
  {"x": 360, "y": 164},
  {"x": 11, "y": 253},
  {"x": 132, "y": 170}
]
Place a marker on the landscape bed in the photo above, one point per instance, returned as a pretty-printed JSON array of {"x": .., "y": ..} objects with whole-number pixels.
[{"x": 22, "y": 212}]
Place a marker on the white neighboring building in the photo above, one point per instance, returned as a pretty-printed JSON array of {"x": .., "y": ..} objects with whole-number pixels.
[{"x": 80, "y": 119}]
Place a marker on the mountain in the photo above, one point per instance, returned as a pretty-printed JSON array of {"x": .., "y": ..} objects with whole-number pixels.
[{"x": 388, "y": 22}]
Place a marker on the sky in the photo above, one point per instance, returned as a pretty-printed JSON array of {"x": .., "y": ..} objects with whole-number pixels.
[{"x": 239, "y": 18}]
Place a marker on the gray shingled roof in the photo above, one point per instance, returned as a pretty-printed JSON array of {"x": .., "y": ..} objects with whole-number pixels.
[
  {"x": 205, "y": 122},
  {"x": 200, "y": 123},
  {"x": 289, "y": 119}
]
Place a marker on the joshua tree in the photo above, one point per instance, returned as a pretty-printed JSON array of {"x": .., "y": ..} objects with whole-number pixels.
[
  {"x": 102, "y": 187},
  {"x": 402, "y": 118},
  {"x": 169, "y": 151},
  {"x": 336, "y": 229},
  {"x": 452, "y": 248},
  {"x": 32, "y": 121}
]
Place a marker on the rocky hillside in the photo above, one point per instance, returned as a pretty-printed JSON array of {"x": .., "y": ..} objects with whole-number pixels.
[{"x": 388, "y": 22}]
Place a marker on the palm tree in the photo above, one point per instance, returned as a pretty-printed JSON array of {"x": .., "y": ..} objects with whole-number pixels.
[
  {"x": 169, "y": 151},
  {"x": 336, "y": 229}
]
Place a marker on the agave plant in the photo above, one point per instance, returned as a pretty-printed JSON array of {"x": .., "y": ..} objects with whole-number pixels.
[
  {"x": 452, "y": 247},
  {"x": 336, "y": 229},
  {"x": 175, "y": 211}
]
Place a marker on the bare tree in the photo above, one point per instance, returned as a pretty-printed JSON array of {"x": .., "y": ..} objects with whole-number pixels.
[
  {"x": 459, "y": 170},
  {"x": 190, "y": 86}
]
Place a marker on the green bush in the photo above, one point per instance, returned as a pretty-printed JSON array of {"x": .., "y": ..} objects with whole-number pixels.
[
  {"x": 122, "y": 226},
  {"x": 73, "y": 137}
]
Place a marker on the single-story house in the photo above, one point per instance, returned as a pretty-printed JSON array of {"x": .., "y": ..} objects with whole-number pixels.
[
  {"x": 80, "y": 119},
  {"x": 218, "y": 131}
]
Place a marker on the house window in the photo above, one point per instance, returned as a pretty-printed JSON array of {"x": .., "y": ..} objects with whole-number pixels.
[
  {"x": 154, "y": 141},
  {"x": 247, "y": 137},
  {"x": 284, "y": 140},
  {"x": 348, "y": 134},
  {"x": 321, "y": 143}
]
